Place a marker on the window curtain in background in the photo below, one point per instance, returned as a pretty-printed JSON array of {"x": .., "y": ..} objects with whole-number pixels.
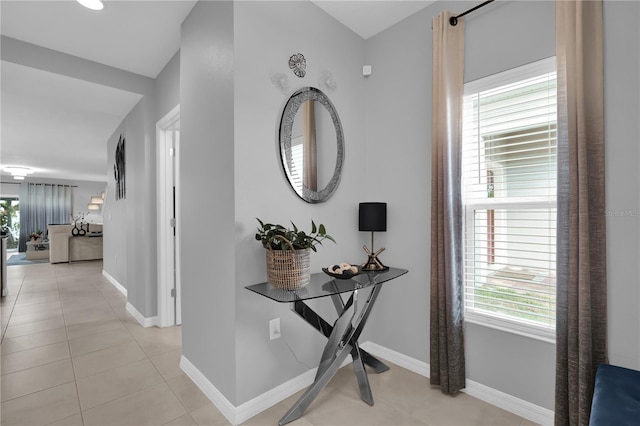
[
  {"x": 447, "y": 360},
  {"x": 42, "y": 205},
  {"x": 581, "y": 320}
]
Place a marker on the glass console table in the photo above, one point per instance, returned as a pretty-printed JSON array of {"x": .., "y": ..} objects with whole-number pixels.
[{"x": 342, "y": 335}]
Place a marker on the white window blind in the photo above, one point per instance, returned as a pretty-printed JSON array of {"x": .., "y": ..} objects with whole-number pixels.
[
  {"x": 297, "y": 166},
  {"x": 509, "y": 197}
]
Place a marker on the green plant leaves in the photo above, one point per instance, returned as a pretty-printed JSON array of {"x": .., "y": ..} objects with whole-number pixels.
[{"x": 272, "y": 236}]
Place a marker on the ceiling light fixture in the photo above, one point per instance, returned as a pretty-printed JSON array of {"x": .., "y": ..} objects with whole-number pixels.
[
  {"x": 92, "y": 4},
  {"x": 18, "y": 173},
  {"x": 93, "y": 206},
  {"x": 97, "y": 200}
]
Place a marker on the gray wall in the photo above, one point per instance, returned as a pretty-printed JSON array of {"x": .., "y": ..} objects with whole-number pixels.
[
  {"x": 266, "y": 35},
  {"x": 231, "y": 174},
  {"x": 130, "y": 227},
  {"x": 130, "y": 223},
  {"x": 130, "y": 235},
  {"x": 387, "y": 130},
  {"x": 114, "y": 214},
  {"x": 622, "y": 151},
  {"x": 167, "y": 87},
  {"x": 500, "y": 36},
  {"x": 208, "y": 231}
]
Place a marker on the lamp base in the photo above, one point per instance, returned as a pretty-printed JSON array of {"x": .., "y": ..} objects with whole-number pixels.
[{"x": 373, "y": 264}]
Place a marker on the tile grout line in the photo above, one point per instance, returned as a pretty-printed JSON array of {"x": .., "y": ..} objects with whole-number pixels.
[
  {"x": 40, "y": 390},
  {"x": 13, "y": 305},
  {"x": 73, "y": 367},
  {"x": 148, "y": 357}
]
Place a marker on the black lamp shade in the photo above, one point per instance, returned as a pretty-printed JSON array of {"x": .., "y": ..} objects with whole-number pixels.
[{"x": 372, "y": 217}]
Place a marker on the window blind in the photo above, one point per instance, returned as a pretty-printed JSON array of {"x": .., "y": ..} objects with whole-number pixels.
[{"x": 509, "y": 195}]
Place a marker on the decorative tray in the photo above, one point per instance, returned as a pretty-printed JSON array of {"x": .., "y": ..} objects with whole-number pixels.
[{"x": 343, "y": 272}]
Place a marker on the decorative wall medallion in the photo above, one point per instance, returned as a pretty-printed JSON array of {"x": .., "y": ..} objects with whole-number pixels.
[
  {"x": 281, "y": 81},
  {"x": 119, "y": 170},
  {"x": 298, "y": 64},
  {"x": 327, "y": 81}
]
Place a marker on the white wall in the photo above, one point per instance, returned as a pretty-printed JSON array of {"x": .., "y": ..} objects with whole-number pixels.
[{"x": 9, "y": 189}]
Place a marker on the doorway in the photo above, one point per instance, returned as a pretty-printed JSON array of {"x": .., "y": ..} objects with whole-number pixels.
[{"x": 168, "y": 148}]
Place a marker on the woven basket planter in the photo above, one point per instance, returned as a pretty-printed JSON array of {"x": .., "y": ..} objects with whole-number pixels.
[{"x": 288, "y": 269}]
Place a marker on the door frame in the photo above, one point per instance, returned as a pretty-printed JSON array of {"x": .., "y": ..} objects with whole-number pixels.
[{"x": 168, "y": 248}]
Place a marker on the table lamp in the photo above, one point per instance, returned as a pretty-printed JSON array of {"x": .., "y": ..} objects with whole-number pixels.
[{"x": 373, "y": 217}]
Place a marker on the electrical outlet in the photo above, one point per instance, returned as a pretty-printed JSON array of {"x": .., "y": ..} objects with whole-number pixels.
[{"x": 274, "y": 328}]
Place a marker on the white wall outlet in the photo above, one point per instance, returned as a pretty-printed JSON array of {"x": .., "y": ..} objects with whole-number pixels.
[{"x": 274, "y": 328}]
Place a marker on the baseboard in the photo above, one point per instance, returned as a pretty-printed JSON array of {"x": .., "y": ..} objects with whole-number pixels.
[
  {"x": 215, "y": 396},
  {"x": 518, "y": 406},
  {"x": 402, "y": 360},
  {"x": 245, "y": 411},
  {"x": 484, "y": 393},
  {"x": 144, "y": 321},
  {"x": 114, "y": 282}
]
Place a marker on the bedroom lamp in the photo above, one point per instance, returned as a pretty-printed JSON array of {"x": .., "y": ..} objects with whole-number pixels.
[{"x": 373, "y": 217}]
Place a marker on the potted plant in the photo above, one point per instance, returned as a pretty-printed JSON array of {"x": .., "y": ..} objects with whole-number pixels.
[
  {"x": 288, "y": 264},
  {"x": 35, "y": 236}
]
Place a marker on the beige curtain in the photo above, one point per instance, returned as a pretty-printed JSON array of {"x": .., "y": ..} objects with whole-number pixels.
[
  {"x": 581, "y": 323},
  {"x": 447, "y": 304},
  {"x": 309, "y": 145}
]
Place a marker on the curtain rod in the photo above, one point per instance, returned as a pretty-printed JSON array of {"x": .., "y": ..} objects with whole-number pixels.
[
  {"x": 454, "y": 19},
  {"x": 51, "y": 184}
]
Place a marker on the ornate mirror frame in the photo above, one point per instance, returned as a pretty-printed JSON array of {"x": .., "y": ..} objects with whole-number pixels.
[{"x": 289, "y": 113}]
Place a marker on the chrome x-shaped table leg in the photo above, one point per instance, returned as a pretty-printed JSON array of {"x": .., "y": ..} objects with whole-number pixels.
[{"x": 343, "y": 340}]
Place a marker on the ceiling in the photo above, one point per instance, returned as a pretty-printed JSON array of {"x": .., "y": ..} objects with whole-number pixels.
[{"x": 58, "y": 125}]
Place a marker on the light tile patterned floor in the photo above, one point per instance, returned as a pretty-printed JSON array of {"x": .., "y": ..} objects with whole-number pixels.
[{"x": 71, "y": 355}]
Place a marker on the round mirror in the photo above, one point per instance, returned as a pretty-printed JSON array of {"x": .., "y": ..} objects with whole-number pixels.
[{"x": 311, "y": 145}]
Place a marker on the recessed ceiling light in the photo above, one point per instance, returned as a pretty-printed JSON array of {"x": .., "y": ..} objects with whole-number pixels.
[{"x": 92, "y": 4}]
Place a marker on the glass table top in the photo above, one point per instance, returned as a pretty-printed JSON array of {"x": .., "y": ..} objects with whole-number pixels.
[{"x": 322, "y": 285}]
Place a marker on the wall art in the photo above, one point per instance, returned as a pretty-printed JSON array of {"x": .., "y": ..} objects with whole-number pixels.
[
  {"x": 119, "y": 170},
  {"x": 298, "y": 64}
]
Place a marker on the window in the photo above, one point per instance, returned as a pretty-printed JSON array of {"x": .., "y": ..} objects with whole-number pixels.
[
  {"x": 10, "y": 220},
  {"x": 509, "y": 198}
]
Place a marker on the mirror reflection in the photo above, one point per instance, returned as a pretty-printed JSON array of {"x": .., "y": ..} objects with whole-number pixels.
[{"x": 311, "y": 145}]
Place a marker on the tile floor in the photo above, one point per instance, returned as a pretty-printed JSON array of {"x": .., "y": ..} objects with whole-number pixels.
[{"x": 71, "y": 355}]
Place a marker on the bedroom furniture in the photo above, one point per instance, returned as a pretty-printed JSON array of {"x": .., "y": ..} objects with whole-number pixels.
[
  {"x": 342, "y": 335},
  {"x": 616, "y": 397}
]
